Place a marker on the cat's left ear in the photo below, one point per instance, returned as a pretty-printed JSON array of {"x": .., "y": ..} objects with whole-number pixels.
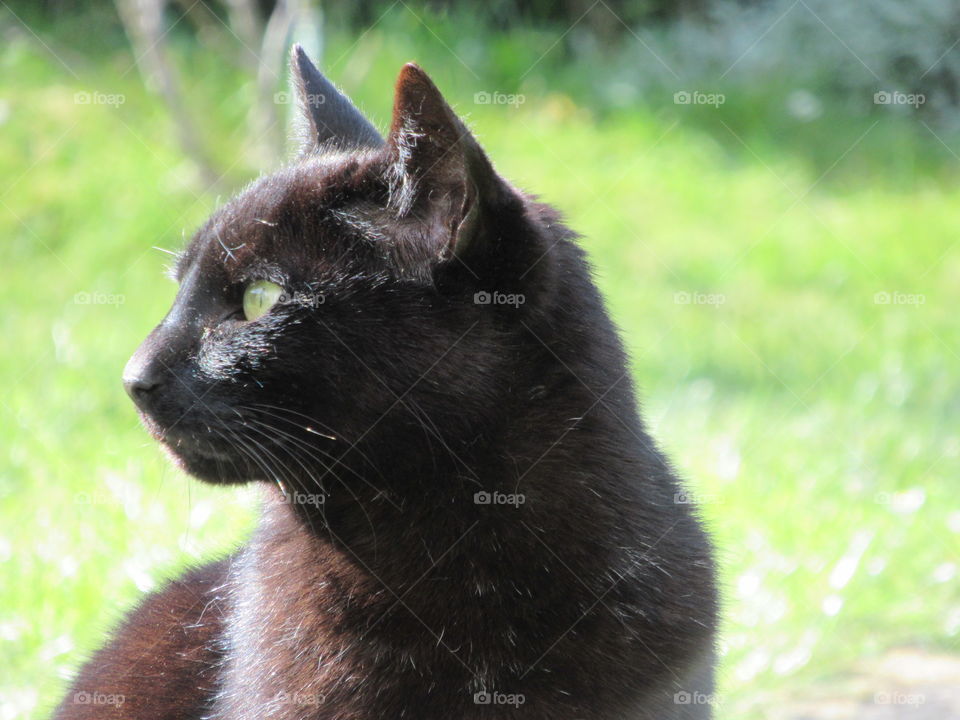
[
  {"x": 438, "y": 172},
  {"x": 332, "y": 120}
]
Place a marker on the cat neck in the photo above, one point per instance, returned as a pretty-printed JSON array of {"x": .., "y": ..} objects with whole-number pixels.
[{"x": 329, "y": 594}]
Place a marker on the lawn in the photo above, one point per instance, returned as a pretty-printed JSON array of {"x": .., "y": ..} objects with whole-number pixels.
[{"x": 791, "y": 316}]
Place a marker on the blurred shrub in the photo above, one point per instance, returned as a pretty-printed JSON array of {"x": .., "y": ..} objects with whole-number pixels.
[
  {"x": 852, "y": 50},
  {"x": 503, "y": 13},
  {"x": 849, "y": 49},
  {"x": 609, "y": 18}
]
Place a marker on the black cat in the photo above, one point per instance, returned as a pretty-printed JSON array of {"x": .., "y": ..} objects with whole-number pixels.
[{"x": 464, "y": 516}]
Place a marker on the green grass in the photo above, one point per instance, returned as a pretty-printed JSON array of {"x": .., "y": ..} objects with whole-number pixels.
[{"x": 815, "y": 423}]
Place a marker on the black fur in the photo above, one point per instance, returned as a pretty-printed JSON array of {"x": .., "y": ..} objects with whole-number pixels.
[
  {"x": 374, "y": 403},
  {"x": 331, "y": 117}
]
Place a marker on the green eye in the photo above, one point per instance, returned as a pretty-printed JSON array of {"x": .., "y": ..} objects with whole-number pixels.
[{"x": 259, "y": 297}]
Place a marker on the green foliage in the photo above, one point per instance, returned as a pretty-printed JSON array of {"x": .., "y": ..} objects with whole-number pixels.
[{"x": 787, "y": 289}]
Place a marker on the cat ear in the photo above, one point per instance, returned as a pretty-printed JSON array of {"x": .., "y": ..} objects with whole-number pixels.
[
  {"x": 332, "y": 119},
  {"x": 439, "y": 174}
]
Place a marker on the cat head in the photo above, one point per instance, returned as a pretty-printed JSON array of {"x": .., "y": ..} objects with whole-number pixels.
[{"x": 374, "y": 293}]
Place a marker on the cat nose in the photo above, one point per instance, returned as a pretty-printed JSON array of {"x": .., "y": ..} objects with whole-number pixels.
[
  {"x": 140, "y": 379},
  {"x": 139, "y": 387}
]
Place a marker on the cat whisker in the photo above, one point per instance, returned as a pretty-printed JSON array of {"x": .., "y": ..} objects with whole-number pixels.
[
  {"x": 317, "y": 432},
  {"x": 306, "y": 417},
  {"x": 306, "y": 469},
  {"x": 310, "y": 452},
  {"x": 270, "y": 410},
  {"x": 262, "y": 430},
  {"x": 279, "y": 465},
  {"x": 229, "y": 441},
  {"x": 258, "y": 461},
  {"x": 220, "y": 461}
]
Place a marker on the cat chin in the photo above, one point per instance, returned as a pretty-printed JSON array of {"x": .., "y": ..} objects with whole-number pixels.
[
  {"x": 205, "y": 466},
  {"x": 196, "y": 457}
]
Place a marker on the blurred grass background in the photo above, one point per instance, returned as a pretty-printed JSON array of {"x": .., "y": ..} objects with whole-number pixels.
[{"x": 783, "y": 267}]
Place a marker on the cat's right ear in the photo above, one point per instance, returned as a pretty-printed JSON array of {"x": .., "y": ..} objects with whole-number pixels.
[{"x": 332, "y": 120}]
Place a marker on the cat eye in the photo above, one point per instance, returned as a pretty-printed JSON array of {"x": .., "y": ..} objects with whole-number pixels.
[{"x": 259, "y": 297}]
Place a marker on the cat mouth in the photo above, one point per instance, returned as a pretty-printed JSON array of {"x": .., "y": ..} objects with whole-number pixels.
[
  {"x": 182, "y": 438},
  {"x": 198, "y": 449}
]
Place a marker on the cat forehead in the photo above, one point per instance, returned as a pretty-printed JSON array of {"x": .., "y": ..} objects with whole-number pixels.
[{"x": 314, "y": 204}]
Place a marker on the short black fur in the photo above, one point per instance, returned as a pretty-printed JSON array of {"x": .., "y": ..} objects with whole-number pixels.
[{"x": 464, "y": 516}]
